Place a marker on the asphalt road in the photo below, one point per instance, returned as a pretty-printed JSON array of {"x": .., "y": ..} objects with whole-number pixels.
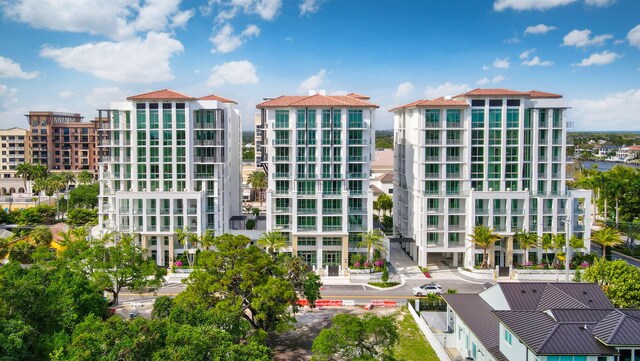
[{"x": 360, "y": 293}]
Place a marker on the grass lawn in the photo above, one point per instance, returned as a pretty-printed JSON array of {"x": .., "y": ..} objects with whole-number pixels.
[{"x": 412, "y": 346}]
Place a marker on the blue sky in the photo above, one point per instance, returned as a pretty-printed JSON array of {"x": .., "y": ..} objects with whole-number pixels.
[{"x": 78, "y": 55}]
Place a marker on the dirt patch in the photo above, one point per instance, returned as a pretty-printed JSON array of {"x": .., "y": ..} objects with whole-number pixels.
[{"x": 296, "y": 344}]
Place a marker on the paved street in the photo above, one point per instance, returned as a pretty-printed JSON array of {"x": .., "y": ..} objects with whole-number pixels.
[{"x": 402, "y": 269}]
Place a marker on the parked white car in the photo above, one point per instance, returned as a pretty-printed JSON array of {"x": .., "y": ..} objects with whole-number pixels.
[{"x": 426, "y": 289}]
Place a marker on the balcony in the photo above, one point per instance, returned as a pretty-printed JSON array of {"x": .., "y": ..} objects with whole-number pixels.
[
  {"x": 547, "y": 210},
  {"x": 282, "y": 227},
  {"x": 284, "y": 192},
  {"x": 356, "y": 192},
  {"x": 331, "y": 193},
  {"x": 432, "y": 175},
  {"x": 306, "y": 228},
  {"x": 356, "y": 175},
  {"x": 481, "y": 211},
  {"x": 578, "y": 210},
  {"x": 456, "y": 227},
  {"x": 456, "y": 210},
  {"x": 432, "y": 141},
  {"x": 435, "y": 210},
  {"x": 281, "y": 158},
  {"x": 356, "y": 142},
  {"x": 331, "y": 228},
  {"x": 284, "y": 210},
  {"x": 357, "y": 228},
  {"x": 454, "y": 124},
  {"x": 357, "y": 210},
  {"x": 542, "y": 158},
  {"x": 356, "y": 125},
  {"x": 192, "y": 210},
  {"x": 453, "y": 175},
  {"x": 306, "y": 210},
  {"x": 499, "y": 211},
  {"x": 515, "y": 211},
  {"x": 454, "y": 141},
  {"x": 332, "y": 211},
  {"x": 281, "y": 142},
  {"x": 282, "y": 175},
  {"x": 433, "y": 125},
  {"x": 432, "y": 158},
  {"x": 124, "y": 211},
  {"x": 454, "y": 158},
  {"x": 357, "y": 158}
]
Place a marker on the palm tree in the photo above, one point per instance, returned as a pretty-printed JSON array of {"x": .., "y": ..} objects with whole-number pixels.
[
  {"x": 527, "y": 240},
  {"x": 272, "y": 241},
  {"x": 483, "y": 237},
  {"x": 632, "y": 231},
  {"x": 258, "y": 181},
  {"x": 546, "y": 243},
  {"x": 606, "y": 237},
  {"x": 85, "y": 177},
  {"x": 39, "y": 171},
  {"x": 24, "y": 171},
  {"x": 67, "y": 178},
  {"x": 575, "y": 242},
  {"x": 385, "y": 203},
  {"x": 41, "y": 236},
  {"x": 187, "y": 240},
  {"x": 557, "y": 242},
  {"x": 372, "y": 240}
]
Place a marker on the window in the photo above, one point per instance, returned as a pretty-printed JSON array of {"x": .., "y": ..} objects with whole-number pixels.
[
  {"x": 495, "y": 118},
  {"x": 282, "y": 119},
  {"x": 508, "y": 337},
  {"x": 477, "y": 118},
  {"x": 495, "y": 137},
  {"x": 453, "y": 118},
  {"x": 513, "y": 115},
  {"x": 477, "y": 154},
  {"x": 477, "y": 103},
  {"x": 432, "y": 118},
  {"x": 477, "y": 171}
]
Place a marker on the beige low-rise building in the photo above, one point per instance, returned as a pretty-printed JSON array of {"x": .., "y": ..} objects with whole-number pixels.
[{"x": 14, "y": 150}]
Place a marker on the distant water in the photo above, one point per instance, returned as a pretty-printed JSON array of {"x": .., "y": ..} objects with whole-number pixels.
[{"x": 604, "y": 166}]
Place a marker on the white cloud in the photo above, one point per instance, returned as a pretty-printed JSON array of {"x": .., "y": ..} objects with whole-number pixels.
[
  {"x": 497, "y": 79},
  {"x": 582, "y": 38},
  {"x": 312, "y": 82},
  {"x": 181, "y": 18},
  {"x": 634, "y": 36},
  {"x": 520, "y": 5},
  {"x": 11, "y": 69},
  {"x": 226, "y": 41},
  {"x": 501, "y": 63},
  {"x": 115, "y": 19},
  {"x": 616, "y": 111},
  {"x": 446, "y": 89},
  {"x": 233, "y": 72},
  {"x": 599, "y": 3},
  {"x": 539, "y": 29},
  {"x": 603, "y": 58},
  {"x": 536, "y": 61},
  {"x": 485, "y": 67},
  {"x": 65, "y": 94},
  {"x": 513, "y": 40},
  {"x": 133, "y": 61},
  {"x": 229, "y": 9},
  {"x": 525, "y": 54},
  {"x": 483, "y": 81},
  {"x": 7, "y": 96},
  {"x": 404, "y": 89},
  {"x": 101, "y": 97},
  {"x": 309, "y": 7}
]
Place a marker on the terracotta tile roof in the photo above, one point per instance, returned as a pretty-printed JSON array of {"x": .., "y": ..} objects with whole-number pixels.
[
  {"x": 218, "y": 98},
  {"x": 539, "y": 94},
  {"x": 386, "y": 177},
  {"x": 490, "y": 92},
  {"x": 161, "y": 95},
  {"x": 439, "y": 102},
  {"x": 317, "y": 100},
  {"x": 359, "y": 96}
]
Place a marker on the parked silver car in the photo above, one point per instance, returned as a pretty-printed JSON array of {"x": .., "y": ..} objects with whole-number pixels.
[{"x": 426, "y": 289}]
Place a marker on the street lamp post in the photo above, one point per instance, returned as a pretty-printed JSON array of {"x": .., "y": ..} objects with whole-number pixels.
[{"x": 569, "y": 230}]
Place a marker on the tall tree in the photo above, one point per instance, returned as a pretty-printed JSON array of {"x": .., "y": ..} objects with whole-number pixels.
[
  {"x": 41, "y": 236},
  {"x": 606, "y": 237},
  {"x": 546, "y": 243},
  {"x": 618, "y": 280},
  {"x": 558, "y": 241},
  {"x": 272, "y": 241},
  {"x": 189, "y": 241},
  {"x": 116, "y": 264},
  {"x": 67, "y": 178},
  {"x": 24, "y": 171},
  {"x": 356, "y": 338},
  {"x": 483, "y": 237},
  {"x": 527, "y": 241},
  {"x": 85, "y": 177},
  {"x": 385, "y": 203},
  {"x": 239, "y": 276},
  {"x": 372, "y": 240},
  {"x": 258, "y": 181}
]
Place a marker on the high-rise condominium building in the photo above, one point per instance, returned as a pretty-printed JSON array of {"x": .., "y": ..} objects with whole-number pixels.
[
  {"x": 318, "y": 150},
  {"x": 492, "y": 157},
  {"x": 14, "y": 149},
  {"x": 258, "y": 138},
  {"x": 172, "y": 163},
  {"x": 63, "y": 141}
]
